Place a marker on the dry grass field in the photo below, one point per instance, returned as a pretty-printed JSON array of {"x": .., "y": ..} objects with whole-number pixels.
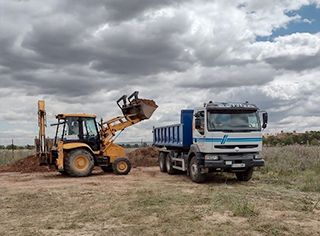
[
  {"x": 281, "y": 199},
  {"x": 6, "y": 156}
]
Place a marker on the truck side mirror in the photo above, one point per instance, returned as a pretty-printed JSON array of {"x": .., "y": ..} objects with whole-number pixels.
[
  {"x": 197, "y": 123},
  {"x": 264, "y": 119}
]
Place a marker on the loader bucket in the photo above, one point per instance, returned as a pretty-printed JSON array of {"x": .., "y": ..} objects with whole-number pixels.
[
  {"x": 137, "y": 108},
  {"x": 141, "y": 109}
]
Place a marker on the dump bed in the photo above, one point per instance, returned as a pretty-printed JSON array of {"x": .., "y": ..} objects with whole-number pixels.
[{"x": 177, "y": 135}]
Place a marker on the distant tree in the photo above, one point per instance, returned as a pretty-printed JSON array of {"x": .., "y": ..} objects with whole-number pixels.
[
  {"x": 29, "y": 147},
  {"x": 314, "y": 142},
  {"x": 288, "y": 140},
  {"x": 11, "y": 147}
]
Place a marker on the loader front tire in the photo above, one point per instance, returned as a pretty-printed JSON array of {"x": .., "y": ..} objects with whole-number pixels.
[
  {"x": 121, "y": 166},
  {"x": 78, "y": 163}
]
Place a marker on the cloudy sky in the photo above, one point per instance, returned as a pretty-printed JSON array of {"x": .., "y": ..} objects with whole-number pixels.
[{"x": 80, "y": 56}]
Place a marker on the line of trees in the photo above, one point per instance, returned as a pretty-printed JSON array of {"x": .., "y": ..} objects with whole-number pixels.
[
  {"x": 284, "y": 139},
  {"x": 31, "y": 147},
  {"x": 136, "y": 145},
  {"x": 16, "y": 147}
]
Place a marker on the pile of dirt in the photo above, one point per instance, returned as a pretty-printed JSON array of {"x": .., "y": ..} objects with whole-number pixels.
[
  {"x": 25, "y": 165},
  {"x": 144, "y": 157},
  {"x": 147, "y": 102}
]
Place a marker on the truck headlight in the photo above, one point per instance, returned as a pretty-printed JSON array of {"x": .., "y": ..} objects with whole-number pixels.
[
  {"x": 211, "y": 157},
  {"x": 256, "y": 156}
]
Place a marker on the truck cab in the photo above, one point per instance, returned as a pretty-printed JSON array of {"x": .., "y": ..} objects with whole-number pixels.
[{"x": 225, "y": 137}]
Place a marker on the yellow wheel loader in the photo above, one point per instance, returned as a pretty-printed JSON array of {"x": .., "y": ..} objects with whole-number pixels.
[{"x": 81, "y": 142}]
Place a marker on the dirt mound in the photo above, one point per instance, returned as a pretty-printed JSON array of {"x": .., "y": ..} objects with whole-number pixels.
[
  {"x": 25, "y": 165},
  {"x": 147, "y": 102},
  {"x": 144, "y": 157}
]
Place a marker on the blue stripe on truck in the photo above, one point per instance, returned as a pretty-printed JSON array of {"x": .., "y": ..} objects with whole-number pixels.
[{"x": 226, "y": 139}]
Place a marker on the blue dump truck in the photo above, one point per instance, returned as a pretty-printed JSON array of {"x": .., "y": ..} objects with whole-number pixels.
[{"x": 218, "y": 137}]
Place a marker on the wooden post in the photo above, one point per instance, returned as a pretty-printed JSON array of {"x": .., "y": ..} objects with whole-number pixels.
[{"x": 12, "y": 151}]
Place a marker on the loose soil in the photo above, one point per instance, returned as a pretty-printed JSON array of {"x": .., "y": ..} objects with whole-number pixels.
[
  {"x": 25, "y": 165},
  {"x": 147, "y": 102},
  {"x": 144, "y": 157}
]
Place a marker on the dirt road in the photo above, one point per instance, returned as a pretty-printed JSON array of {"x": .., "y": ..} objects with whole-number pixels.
[{"x": 147, "y": 202}]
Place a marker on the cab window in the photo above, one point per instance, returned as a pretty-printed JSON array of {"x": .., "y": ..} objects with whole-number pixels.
[
  {"x": 89, "y": 128},
  {"x": 71, "y": 129},
  {"x": 200, "y": 122}
]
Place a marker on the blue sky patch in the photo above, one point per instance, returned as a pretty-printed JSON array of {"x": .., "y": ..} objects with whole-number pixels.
[{"x": 308, "y": 23}]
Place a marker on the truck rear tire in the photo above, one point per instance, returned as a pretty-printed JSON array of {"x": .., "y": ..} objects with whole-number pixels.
[
  {"x": 162, "y": 162},
  {"x": 195, "y": 174},
  {"x": 169, "y": 165},
  {"x": 245, "y": 176},
  {"x": 121, "y": 166},
  {"x": 78, "y": 163}
]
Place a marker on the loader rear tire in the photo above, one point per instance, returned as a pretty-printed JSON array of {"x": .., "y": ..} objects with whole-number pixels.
[
  {"x": 162, "y": 162},
  {"x": 121, "y": 166},
  {"x": 78, "y": 163}
]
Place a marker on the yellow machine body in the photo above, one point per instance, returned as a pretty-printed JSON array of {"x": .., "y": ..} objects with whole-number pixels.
[{"x": 106, "y": 151}]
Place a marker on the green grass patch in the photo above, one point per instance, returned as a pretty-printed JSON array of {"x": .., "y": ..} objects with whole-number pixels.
[{"x": 238, "y": 204}]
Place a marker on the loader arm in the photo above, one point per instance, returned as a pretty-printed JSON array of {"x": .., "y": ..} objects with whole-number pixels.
[
  {"x": 134, "y": 110},
  {"x": 114, "y": 125}
]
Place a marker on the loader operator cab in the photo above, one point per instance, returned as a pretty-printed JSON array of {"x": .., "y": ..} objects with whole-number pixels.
[{"x": 78, "y": 128}]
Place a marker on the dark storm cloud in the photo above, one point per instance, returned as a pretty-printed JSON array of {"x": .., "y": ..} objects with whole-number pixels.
[
  {"x": 120, "y": 10},
  {"x": 295, "y": 63},
  {"x": 58, "y": 43},
  {"x": 232, "y": 76}
]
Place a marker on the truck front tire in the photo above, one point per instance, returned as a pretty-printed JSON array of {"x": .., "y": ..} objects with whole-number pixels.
[
  {"x": 162, "y": 162},
  {"x": 195, "y": 174},
  {"x": 245, "y": 176}
]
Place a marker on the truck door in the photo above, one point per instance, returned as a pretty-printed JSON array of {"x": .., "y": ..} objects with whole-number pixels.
[{"x": 199, "y": 137}]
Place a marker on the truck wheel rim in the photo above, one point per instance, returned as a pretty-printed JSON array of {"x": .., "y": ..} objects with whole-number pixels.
[
  {"x": 168, "y": 163},
  {"x": 81, "y": 162},
  {"x": 122, "y": 166},
  {"x": 194, "y": 169},
  {"x": 161, "y": 163}
]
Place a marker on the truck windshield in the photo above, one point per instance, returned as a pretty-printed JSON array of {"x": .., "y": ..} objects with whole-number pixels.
[{"x": 233, "y": 121}]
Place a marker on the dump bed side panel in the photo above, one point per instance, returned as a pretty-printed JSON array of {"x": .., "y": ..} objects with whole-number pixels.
[{"x": 177, "y": 135}]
